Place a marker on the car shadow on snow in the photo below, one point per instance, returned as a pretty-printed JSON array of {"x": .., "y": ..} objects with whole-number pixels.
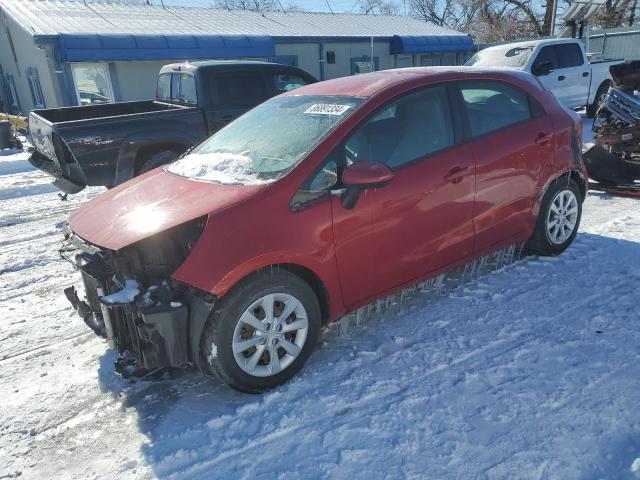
[{"x": 195, "y": 425}]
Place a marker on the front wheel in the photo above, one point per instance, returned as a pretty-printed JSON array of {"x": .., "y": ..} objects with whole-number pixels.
[
  {"x": 558, "y": 219},
  {"x": 261, "y": 333}
]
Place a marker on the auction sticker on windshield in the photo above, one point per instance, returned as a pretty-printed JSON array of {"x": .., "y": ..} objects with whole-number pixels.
[{"x": 327, "y": 109}]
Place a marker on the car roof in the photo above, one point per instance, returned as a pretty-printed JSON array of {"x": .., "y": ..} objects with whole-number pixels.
[
  {"x": 225, "y": 65},
  {"x": 533, "y": 43},
  {"x": 369, "y": 84}
]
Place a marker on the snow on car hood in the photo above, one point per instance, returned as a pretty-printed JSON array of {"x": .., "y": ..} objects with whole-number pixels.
[
  {"x": 219, "y": 167},
  {"x": 151, "y": 203}
]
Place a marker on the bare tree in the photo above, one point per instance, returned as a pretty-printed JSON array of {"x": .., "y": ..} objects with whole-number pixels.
[
  {"x": 254, "y": 5},
  {"x": 378, "y": 7}
]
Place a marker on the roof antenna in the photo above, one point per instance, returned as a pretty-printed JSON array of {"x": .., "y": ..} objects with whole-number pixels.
[
  {"x": 330, "y": 9},
  {"x": 162, "y": 3},
  {"x": 281, "y": 7}
]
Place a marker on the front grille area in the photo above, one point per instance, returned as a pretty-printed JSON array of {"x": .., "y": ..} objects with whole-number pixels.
[{"x": 150, "y": 331}]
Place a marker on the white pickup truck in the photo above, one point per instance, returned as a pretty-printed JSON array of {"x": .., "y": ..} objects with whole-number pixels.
[{"x": 560, "y": 64}]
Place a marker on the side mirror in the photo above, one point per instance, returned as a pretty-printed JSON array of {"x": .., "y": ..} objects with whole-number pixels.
[
  {"x": 363, "y": 175},
  {"x": 542, "y": 69}
]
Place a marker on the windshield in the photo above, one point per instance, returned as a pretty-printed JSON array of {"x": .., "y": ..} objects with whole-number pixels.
[
  {"x": 267, "y": 142},
  {"x": 502, "y": 56}
]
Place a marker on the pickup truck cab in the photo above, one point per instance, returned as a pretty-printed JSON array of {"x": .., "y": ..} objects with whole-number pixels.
[
  {"x": 561, "y": 65},
  {"x": 107, "y": 144}
]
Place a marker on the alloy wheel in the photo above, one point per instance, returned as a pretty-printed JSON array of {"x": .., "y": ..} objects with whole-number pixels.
[
  {"x": 562, "y": 217},
  {"x": 270, "y": 334}
]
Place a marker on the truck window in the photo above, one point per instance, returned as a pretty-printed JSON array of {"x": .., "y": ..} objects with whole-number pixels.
[
  {"x": 547, "y": 54},
  {"x": 285, "y": 82},
  {"x": 188, "y": 89},
  {"x": 163, "y": 92},
  {"x": 242, "y": 89},
  {"x": 569, "y": 55}
]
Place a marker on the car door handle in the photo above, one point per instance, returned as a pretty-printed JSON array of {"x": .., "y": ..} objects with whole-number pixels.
[
  {"x": 585, "y": 74},
  {"x": 456, "y": 173},
  {"x": 561, "y": 78},
  {"x": 543, "y": 138}
]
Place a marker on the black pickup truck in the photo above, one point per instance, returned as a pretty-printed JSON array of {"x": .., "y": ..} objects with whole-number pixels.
[{"x": 107, "y": 144}]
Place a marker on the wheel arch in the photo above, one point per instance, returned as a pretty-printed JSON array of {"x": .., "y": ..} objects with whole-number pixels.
[
  {"x": 574, "y": 175},
  {"x": 307, "y": 275},
  {"x": 134, "y": 144}
]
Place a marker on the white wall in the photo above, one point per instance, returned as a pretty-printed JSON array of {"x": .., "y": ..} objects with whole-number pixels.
[
  {"x": 308, "y": 55},
  {"x": 28, "y": 55}
]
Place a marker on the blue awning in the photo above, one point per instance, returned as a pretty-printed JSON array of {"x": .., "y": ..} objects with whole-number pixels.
[
  {"x": 434, "y": 43},
  {"x": 113, "y": 47}
]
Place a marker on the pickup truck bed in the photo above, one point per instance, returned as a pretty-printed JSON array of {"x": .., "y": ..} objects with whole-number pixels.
[
  {"x": 107, "y": 144},
  {"x": 78, "y": 145}
]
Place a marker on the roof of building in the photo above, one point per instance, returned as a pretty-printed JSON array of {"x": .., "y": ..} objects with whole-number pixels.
[{"x": 53, "y": 17}]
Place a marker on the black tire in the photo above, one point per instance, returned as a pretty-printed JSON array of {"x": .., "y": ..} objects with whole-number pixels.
[
  {"x": 540, "y": 242},
  {"x": 217, "y": 339},
  {"x": 154, "y": 160},
  {"x": 592, "y": 109}
]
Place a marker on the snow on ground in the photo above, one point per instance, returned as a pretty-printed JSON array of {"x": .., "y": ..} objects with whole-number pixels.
[{"x": 530, "y": 372}]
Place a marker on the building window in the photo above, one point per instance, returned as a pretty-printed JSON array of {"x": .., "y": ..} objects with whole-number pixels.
[
  {"x": 36, "y": 89},
  {"x": 13, "y": 95},
  {"x": 331, "y": 57},
  {"x": 92, "y": 82}
]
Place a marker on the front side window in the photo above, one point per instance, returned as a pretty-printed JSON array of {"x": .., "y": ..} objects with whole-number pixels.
[
  {"x": 267, "y": 142},
  {"x": 569, "y": 55},
  {"x": 491, "y": 106},
  {"x": 92, "y": 82},
  {"x": 241, "y": 90},
  {"x": 547, "y": 54},
  {"x": 415, "y": 126},
  {"x": 286, "y": 81}
]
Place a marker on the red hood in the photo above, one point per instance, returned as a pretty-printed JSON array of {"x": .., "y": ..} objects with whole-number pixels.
[{"x": 151, "y": 203}]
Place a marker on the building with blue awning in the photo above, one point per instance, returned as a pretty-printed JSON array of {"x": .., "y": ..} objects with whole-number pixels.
[{"x": 60, "y": 53}]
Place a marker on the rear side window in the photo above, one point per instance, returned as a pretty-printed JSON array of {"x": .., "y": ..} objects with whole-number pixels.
[
  {"x": 569, "y": 55},
  {"x": 240, "y": 89},
  {"x": 163, "y": 91},
  {"x": 491, "y": 106},
  {"x": 415, "y": 126},
  {"x": 285, "y": 82}
]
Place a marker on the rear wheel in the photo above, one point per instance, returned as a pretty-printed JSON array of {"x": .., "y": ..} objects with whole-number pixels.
[
  {"x": 558, "y": 219},
  {"x": 262, "y": 332}
]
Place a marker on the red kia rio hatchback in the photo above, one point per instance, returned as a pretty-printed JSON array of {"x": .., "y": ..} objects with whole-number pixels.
[{"x": 317, "y": 202}]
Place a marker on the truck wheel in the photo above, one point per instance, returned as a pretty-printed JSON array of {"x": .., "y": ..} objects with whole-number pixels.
[
  {"x": 154, "y": 160},
  {"x": 261, "y": 333},
  {"x": 558, "y": 219},
  {"x": 598, "y": 99}
]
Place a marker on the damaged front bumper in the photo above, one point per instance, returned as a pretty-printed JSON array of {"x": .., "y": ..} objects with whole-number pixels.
[{"x": 152, "y": 325}]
